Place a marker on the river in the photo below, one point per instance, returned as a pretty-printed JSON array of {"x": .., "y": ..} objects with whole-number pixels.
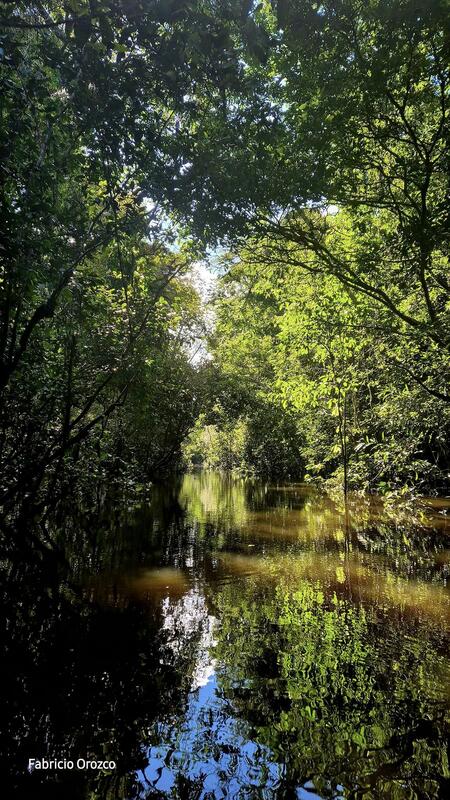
[{"x": 232, "y": 639}]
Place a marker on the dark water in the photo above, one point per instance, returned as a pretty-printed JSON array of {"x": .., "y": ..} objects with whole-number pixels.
[{"x": 232, "y": 640}]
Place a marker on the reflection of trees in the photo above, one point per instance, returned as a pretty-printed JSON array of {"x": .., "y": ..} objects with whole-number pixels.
[
  {"x": 81, "y": 681},
  {"x": 335, "y": 696},
  {"x": 214, "y": 498},
  {"x": 233, "y": 511},
  {"x": 322, "y": 688}
]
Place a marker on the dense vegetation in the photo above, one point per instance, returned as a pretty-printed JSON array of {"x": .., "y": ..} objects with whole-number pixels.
[
  {"x": 315, "y": 384},
  {"x": 310, "y": 141}
]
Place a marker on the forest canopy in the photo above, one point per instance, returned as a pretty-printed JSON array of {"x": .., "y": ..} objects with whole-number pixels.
[{"x": 304, "y": 148}]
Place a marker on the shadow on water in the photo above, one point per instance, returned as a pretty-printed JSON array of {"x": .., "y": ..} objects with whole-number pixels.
[{"x": 231, "y": 639}]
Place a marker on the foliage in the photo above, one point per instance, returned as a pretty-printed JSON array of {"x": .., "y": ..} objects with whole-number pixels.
[
  {"x": 116, "y": 344},
  {"x": 97, "y": 100},
  {"x": 314, "y": 351},
  {"x": 314, "y": 137},
  {"x": 345, "y": 179}
]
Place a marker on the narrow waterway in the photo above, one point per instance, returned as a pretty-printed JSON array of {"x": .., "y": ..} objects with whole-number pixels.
[{"x": 233, "y": 639}]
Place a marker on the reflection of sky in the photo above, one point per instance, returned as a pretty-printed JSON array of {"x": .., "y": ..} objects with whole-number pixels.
[
  {"x": 207, "y": 750},
  {"x": 209, "y": 745}
]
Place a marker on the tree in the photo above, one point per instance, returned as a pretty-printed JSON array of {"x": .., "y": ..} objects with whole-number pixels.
[
  {"x": 96, "y": 97},
  {"x": 297, "y": 345},
  {"x": 355, "y": 115},
  {"x": 244, "y": 426}
]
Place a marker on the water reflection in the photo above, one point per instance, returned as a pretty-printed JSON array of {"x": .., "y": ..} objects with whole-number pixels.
[{"x": 232, "y": 639}]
